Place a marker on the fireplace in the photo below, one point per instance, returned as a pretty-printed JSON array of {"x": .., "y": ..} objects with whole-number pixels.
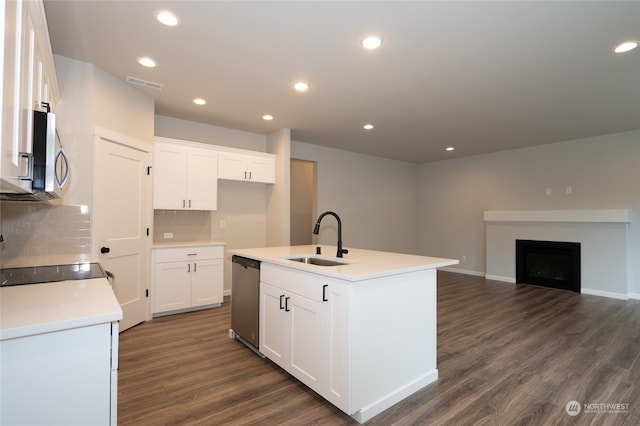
[{"x": 549, "y": 264}]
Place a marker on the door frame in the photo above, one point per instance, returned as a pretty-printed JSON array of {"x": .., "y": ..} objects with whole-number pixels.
[{"x": 133, "y": 143}]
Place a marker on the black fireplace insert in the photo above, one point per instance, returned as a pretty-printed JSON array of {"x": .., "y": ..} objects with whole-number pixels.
[{"x": 548, "y": 263}]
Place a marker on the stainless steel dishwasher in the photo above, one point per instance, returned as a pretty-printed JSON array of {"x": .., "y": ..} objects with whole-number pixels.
[{"x": 245, "y": 301}]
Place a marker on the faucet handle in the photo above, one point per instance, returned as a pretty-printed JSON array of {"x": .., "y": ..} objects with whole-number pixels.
[
  {"x": 318, "y": 250},
  {"x": 344, "y": 251}
]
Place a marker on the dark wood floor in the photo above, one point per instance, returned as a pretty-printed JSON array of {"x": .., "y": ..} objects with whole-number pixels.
[{"x": 507, "y": 355}]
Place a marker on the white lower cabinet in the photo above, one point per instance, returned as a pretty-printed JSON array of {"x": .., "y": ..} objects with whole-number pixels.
[
  {"x": 292, "y": 333},
  {"x": 187, "y": 278},
  {"x": 66, "y": 377},
  {"x": 304, "y": 329}
]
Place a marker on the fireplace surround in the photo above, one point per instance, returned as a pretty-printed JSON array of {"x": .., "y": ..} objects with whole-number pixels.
[
  {"x": 603, "y": 236},
  {"x": 552, "y": 264}
]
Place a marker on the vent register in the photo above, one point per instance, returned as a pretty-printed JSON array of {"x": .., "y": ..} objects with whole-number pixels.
[{"x": 144, "y": 83}]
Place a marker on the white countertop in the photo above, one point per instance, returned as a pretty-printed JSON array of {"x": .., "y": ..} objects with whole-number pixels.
[
  {"x": 364, "y": 264},
  {"x": 27, "y": 310}
]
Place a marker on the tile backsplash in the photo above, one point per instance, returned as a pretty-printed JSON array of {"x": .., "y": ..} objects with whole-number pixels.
[
  {"x": 185, "y": 225},
  {"x": 34, "y": 229}
]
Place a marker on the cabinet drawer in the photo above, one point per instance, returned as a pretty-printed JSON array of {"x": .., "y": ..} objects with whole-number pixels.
[
  {"x": 178, "y": 254},
  {"x": 302, "y": 283}
]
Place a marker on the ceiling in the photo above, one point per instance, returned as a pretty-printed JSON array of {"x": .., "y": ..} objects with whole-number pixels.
[{"x": 478, "y": 76}]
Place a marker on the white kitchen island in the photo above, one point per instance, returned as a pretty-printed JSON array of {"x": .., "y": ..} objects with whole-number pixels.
[
  {"x": 361, "y": 334},
  {"x": 59, "y": 353}
]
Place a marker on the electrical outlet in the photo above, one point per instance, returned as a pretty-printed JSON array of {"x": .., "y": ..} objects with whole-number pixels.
[
  {"x": 223, "y": 224},
  {"x": 168, "y": 235},
  {"x": 548, "y": 191},
  {"x": 568, "y": 190},
  {"x": 463, "y": 259}
]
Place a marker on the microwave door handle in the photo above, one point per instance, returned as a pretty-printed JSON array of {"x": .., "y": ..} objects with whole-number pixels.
[
  {"x": 29, "y": 157},
  {"x": 62, "y": 181}
]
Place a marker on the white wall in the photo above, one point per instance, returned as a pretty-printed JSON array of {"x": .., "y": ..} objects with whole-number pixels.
[
  {"x": 376, "y": 198},
  {"x": 279, "y": 195},
  {"x": 603, "y": 173},
  {"x": 90, "y": 98}
]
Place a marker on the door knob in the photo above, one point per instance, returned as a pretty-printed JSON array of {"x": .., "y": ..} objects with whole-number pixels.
[{"x": 105, "y": 250}]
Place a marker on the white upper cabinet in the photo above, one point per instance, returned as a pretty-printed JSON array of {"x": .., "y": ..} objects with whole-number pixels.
[
  {"x": 28, "y": 79},
  {"x": 185, "y": 176},
  {"x": 258, "y": 167}
]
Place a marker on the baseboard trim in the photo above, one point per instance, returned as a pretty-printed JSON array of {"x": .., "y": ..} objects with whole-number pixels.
[
  {"x": 398, "y": 395},
  {"x": 601, "y": 293},
  {"x": 499, "y": 278}
]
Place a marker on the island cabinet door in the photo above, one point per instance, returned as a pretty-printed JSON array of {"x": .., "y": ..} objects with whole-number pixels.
[
  {"x": 337, "y": 335},
  {"x": 305, "y": 318},
  {"x": 273, "y": 323}
]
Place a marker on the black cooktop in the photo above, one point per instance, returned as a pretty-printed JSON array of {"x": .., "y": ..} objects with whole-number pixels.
[{"x": 47, "y": 274}]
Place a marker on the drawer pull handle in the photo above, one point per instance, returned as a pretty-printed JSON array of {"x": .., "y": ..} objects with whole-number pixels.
[
  {"x": 286, "y": 304},
  {"x": 324, "y": 293},
  {"x": 281, "y": 296}
]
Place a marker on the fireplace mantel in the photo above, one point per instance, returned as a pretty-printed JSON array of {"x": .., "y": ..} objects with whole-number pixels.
[{"x": 590, "y": 216}]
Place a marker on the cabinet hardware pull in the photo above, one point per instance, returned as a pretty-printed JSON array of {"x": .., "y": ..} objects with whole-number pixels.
[
  {"x": 324, "y": 293},
  {"x": 184, "y": 204},
  {"x": 189, "y": 203},
  {"x": 281, "y": 296},
  {"x": 249, "y": 175},
  {"x": 286, "y": 304},
  {"x": 188, "y": 267},
  {"x": 195, "y": 267}
]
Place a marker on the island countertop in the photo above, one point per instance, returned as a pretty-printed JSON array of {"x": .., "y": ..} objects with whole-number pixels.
[{"x": 362, "y": 264}]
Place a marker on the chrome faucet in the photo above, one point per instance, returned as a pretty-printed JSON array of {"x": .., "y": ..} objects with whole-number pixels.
[{"x": 316, "y": 231}]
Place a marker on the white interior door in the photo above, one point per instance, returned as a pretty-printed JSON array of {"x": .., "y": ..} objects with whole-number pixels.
[{"x": 122, "y": 222}]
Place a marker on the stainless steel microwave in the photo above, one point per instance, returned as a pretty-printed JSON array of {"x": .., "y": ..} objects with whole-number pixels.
[{"x": 48, "y": 165}]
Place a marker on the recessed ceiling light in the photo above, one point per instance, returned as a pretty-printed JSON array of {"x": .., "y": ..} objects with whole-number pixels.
[
  {"x": 267, "y": 117},
  {"x": 167, "y": 18},
  {"x": 199, "y": 101},
  {"x": 450, "y": 148},
  {"x": 626, "y": 46},
  {"x": 371, "y": 42},
  {"x": 368, "y": 126},
  {"x": 301, "y": 86},
  {"x": 147, "y": 62}
]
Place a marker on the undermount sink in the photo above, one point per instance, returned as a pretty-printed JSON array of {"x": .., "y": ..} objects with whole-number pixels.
[{"x": 319, "y": 261}]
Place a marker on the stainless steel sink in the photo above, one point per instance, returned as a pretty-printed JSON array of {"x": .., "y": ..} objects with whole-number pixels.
[{"x": 317, "y": 261}]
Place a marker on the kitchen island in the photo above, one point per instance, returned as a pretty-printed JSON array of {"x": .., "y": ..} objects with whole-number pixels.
[{"x": 361, "y": 333}]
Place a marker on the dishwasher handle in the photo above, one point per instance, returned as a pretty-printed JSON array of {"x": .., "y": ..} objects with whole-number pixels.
[{"x": 246, "y": 262}]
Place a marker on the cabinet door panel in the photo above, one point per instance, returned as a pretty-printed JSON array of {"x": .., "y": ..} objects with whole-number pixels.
[
  {"x": 202, "y": 179},
  {"x": 206, "y": 282},
  {"x": 172, "y": 286},
  {"x": 305, "y": 344},
  {"x": 169, "y": 177},
  {"x": 262, "y": 169},
  {"x": 273, "y": 324},
  {"x": 337, "y": 379},
  {"x": 231, "y": 166}
]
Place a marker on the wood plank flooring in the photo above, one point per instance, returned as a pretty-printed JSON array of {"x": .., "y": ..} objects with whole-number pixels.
[{"x": 507, "y": 355}]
